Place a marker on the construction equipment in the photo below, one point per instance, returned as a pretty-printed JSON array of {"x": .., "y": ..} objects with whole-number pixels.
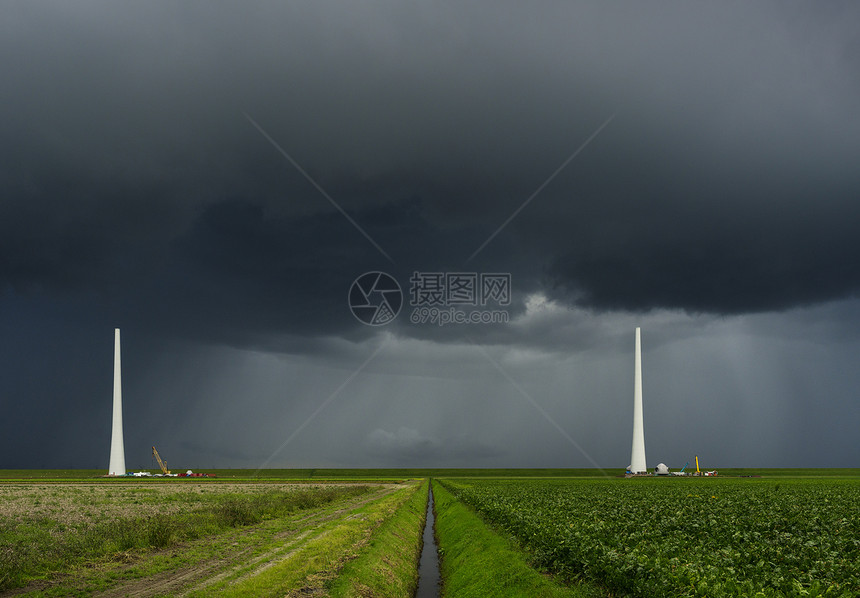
[
  {"x": 161, "y": 463},
  {"x": 682, "y": 472},
  {"x": 697, "y": 466}
]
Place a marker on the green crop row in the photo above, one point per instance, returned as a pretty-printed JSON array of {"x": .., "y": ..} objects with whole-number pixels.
[{"x": 684, "y": 537}]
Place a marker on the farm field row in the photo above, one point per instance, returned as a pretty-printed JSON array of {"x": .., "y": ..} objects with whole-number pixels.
[{"x": 683, "y": 537}]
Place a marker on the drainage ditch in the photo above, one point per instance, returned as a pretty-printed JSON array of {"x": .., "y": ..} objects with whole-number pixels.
[{"x": 428, "y": 565}]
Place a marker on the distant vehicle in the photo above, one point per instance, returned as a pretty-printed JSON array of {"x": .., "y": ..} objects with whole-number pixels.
[{"x": 191, "y": 474}]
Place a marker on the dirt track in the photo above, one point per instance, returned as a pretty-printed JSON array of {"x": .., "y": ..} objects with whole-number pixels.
[
  {"x": 242, "y": 563},
  {"x": 236, "y": 554}
]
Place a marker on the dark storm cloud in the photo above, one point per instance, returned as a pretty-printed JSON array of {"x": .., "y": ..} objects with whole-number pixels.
[
  {"x": 763, "y": 260},
  {"x": 135, "y": 193},
  {"x": 725, "y": 183}
]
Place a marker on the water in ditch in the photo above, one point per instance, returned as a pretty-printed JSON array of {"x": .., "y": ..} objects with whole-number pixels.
[{"x": 428, "y": 565}]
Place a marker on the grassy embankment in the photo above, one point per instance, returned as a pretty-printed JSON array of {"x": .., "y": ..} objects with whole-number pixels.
[
  {"x": 477, "y": 562},
  {"x": 362, "y": 552},
  {"x": 388, "y": 567},
  {"x": 38, "y": 547}
]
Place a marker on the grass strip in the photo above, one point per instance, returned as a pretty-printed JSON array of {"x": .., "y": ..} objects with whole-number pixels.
[
  {"x": 477, "y": 562},
  {"x": 388, "y": 567},
  {"x": 313, "y": 566}
]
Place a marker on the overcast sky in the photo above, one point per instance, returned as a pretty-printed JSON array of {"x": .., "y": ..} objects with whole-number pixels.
[{"x": 212, "y": 179}]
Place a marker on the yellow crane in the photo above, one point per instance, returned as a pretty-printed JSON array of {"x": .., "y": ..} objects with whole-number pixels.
[{"x": 161, "y": 463}]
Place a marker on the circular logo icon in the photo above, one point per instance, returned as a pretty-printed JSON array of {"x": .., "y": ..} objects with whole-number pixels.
[{"x": 375, "y": 298}]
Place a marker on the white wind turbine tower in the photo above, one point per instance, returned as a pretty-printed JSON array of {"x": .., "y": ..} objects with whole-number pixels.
[
  {"x": 117, "y": 447},
  {"x": 637, "y": 458}
]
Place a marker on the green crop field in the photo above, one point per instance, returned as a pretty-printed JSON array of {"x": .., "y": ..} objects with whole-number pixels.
[
  {"x": 684, "y": 537},
  {"x": 357, "y": 532}
]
